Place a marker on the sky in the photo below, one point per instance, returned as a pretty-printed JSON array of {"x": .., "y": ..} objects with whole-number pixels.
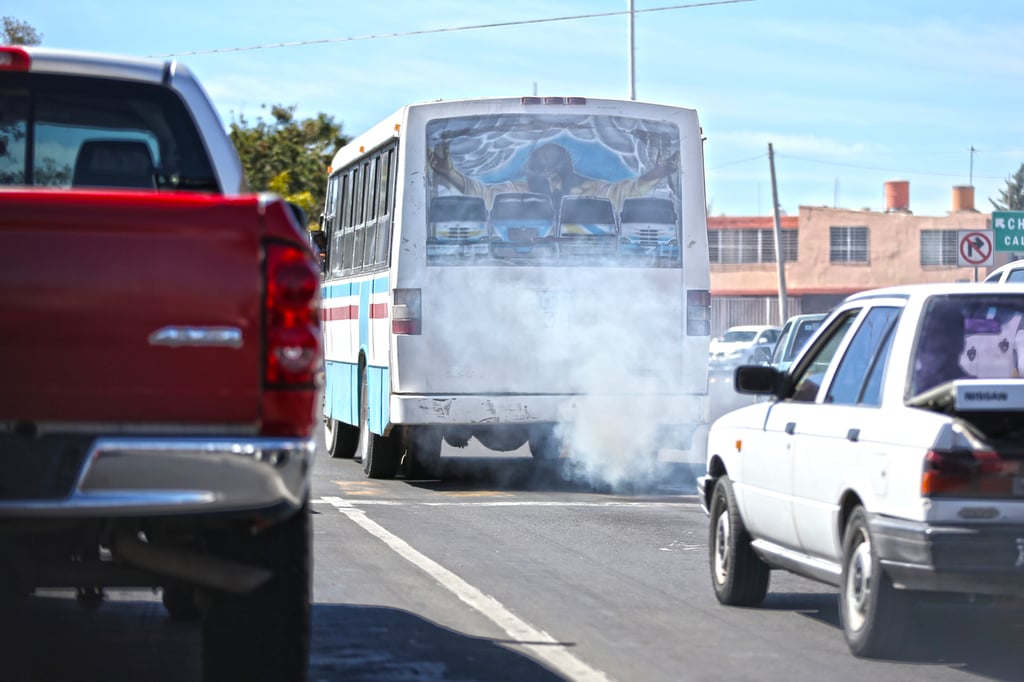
[{"x": 849, "y": 95}]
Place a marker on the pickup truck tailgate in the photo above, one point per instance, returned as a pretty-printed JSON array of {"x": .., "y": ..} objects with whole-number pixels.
[{"x": 130, "y": 308}]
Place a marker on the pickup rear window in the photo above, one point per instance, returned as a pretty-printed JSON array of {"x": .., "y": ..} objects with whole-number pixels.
[{"x": 57, "y": 131}]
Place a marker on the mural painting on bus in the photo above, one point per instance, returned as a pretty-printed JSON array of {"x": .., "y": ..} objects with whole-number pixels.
[{"x": 584, "y": 189}]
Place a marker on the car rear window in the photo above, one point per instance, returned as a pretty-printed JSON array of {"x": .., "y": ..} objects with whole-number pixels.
[{"x": 59, "y": 131}]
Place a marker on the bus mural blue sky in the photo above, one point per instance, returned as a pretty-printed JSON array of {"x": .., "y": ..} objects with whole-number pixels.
[{"x": 850, "y": 95}]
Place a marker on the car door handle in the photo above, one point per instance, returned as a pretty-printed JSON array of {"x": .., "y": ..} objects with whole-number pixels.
[
  {"x": 790, "y": 428},
  {"x": 853, "y": 435}
]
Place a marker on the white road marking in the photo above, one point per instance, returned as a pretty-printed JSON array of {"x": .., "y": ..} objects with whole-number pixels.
[{"x": 539, "y": 643}]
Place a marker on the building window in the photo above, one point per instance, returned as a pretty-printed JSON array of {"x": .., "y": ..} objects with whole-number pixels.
[
  {"x": 848, "y": 244},
  {"x": 750, "y": 246},
  {"x": 939, "y": 247}
]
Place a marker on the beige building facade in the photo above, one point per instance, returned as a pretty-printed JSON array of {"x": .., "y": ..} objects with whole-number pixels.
[{"x": 833, "y": 252}]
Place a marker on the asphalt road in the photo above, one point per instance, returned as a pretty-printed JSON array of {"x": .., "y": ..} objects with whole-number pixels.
[{"x": 504, "y": 571}]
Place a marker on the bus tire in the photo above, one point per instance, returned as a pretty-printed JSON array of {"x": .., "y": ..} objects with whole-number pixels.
[
  {"x": 381, "y": 456},
  {"x": 341, "y": 439},
  {"x": 422, "y": 456}
]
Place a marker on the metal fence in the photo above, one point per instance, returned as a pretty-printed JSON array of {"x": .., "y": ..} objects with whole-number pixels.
[{"x": 730, "y": 311}]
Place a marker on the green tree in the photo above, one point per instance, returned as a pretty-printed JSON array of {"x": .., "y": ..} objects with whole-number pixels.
[
  {"x": 20, "y": 33},
  {"x": 287, "y": 156},
  {"x": 1012, "y": 197}
]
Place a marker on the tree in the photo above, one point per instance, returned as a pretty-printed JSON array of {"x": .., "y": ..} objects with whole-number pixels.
[
  {"x": 1012, "y": 197},
  {"x": 287, "y": 156},
  {"x": 20, "y": 33}
]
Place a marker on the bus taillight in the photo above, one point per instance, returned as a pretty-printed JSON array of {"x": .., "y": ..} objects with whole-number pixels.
[
  {"x": 698, "y": 312},
  {"x": 405, "y": 312}
]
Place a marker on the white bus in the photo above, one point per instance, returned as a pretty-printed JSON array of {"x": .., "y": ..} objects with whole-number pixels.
[{"x": 479, "y": 283}]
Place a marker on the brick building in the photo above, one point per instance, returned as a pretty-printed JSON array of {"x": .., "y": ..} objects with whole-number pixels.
[{"x": 833, "y": 252}]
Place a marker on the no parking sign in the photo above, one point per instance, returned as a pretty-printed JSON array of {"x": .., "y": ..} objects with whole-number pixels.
[{"x": 974, "y": 249}]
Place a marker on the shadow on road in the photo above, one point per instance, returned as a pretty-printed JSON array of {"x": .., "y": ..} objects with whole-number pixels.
[
  {"x": 518, "y": 474},
  {"x": 367, "y": 643},
  {"x": 980, "y": 638}
]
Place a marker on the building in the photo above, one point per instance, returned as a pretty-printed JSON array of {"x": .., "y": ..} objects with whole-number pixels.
[{"x": 833, "y": 252}]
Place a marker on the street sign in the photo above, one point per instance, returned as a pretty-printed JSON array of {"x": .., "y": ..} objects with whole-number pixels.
[
  {"x": 974, "y": 249},
  {"x": 1008, "y": 230}
]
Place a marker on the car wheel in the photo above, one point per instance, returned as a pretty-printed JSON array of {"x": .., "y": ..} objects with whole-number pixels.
[
  {"x": 739, "y": 576},
  {"x": 180, "y": 602},
  {"x": 380, "y": 456},
  {"x": 874, "y": 614},
  {"x": 263, "y": 635},
  {"x": 341, "y": 439}
]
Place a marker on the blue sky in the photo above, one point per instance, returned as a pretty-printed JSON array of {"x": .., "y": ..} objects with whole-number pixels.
[{"x": 849, "y": 94}]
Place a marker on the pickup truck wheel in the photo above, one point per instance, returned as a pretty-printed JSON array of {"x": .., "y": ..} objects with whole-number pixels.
[
  {"x": 545, "y": 446},
  {"x": 381, "y": 456},
  {"x": 341, "y": 440},
  {"x": 739, "y": 576},
  {"x": 874, "y": 614},
  {"x": 180, "y": 602},
  {"x": 265, "y": 635}
]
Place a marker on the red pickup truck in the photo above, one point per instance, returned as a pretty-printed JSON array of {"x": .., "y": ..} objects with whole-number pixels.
[{"x": 160, "y": 355}]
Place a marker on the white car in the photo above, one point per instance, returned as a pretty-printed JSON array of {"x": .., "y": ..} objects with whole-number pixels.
[
  {"x": 1010, "y": 272},
  {"x": 880, "y": 464},
  {"x": 742, "y": 345}
]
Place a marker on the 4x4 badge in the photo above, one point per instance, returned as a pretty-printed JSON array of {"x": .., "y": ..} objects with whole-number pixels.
[{"x": 1020, "y": 553}]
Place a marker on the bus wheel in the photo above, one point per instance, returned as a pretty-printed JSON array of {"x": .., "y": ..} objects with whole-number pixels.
[
  {"x": 422, "y": 457},
  {"x": 342, "y": 440},
  {"x": 380, "y": 455},
  {"x": 545, "y": 446}
]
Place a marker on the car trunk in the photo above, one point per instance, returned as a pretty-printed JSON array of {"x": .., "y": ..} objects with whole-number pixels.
[{"x": 120, "y": 308}]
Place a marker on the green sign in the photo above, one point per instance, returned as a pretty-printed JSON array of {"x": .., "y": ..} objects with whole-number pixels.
[{"x": 1008, "y": 230}]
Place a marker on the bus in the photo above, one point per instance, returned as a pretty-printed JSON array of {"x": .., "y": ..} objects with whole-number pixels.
[{"x": 477, "y": 284}]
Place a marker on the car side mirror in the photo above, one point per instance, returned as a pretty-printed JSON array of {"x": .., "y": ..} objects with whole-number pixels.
[{"x": 759, "y": 380}]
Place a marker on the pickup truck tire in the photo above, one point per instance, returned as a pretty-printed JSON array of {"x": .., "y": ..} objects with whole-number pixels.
[
  {"x": 341, "y": 439},
  {"x": 380, "y": 456},
  {"x": 265, "y": 635},
  {"x": 874, "y": 614},
  {"x": 180, "y": 602},
  {"x": 545, "y": 446},
  {"x": 738, "y": 575}
]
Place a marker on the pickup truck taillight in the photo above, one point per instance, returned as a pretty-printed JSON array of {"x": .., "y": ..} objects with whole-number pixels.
[
  {"x": 968, "y": 473},
  {"x": 292, "y": 309}
]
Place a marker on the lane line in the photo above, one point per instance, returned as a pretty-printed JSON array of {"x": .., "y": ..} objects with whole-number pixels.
[{"x": 542, "y": 645}]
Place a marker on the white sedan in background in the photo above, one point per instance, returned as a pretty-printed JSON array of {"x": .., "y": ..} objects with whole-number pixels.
[{"x": 888, "y": 460}]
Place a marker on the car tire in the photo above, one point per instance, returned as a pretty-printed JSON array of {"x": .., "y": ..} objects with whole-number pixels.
[
  {"x": 873, "y": 613},
  {"x": 263, "y": 635},
  {"x": 180, "y": 602},
  {"x": 738, "y": 575},
  {"x": 341, "y": 439},
  {"x": 381, "y": 456}
]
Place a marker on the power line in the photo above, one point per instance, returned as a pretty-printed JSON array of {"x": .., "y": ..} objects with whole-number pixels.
[{"x": 301, "y": 43}]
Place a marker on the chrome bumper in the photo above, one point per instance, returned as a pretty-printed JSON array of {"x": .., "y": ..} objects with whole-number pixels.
[{"x": 123, "y": 477}]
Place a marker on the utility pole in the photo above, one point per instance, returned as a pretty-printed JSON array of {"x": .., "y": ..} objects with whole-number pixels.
[
  {"x": 632, "y": 51},
  {"x": 780, "y": 257}
]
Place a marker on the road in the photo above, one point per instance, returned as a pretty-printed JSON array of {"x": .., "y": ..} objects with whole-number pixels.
[{"x": 506, "y": 572}]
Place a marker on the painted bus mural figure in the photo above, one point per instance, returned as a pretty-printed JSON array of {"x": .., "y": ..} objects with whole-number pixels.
[{"x": 592, "y": 165}]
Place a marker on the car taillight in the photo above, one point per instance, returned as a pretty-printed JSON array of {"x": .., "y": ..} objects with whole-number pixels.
[
  {"x": 406, "y": 312},
  {"x": 14, "y": 59},
  {"x": 294, "y": 343},
  {"x": 698, "y": 312},
  {"x": 967, "y": 473}
]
